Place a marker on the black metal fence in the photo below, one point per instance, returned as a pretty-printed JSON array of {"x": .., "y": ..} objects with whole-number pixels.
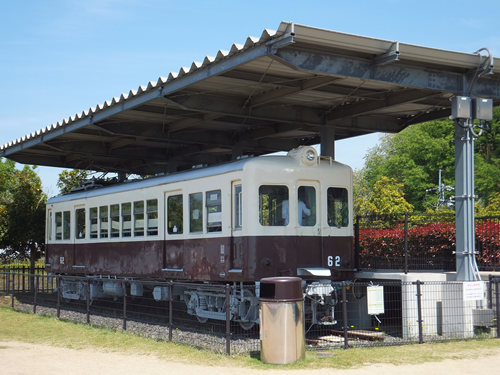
[
  {"x": 364, "y": 313},
  {"x": 421, "y": 242}
]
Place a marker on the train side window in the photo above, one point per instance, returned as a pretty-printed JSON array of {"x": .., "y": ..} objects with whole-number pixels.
[
  {"x": 306, "y": 206},
  {"x": 238, "y": 204},
  {"x": 115, "y": 220},
  {"x": 152, "y": 212},
  {"x": 214, "y": 211},
  {"x": 273, "y": 204},
  {"x": 195, "y": 212},
  {"x": 66, "y": 225},
  {"x": 338, "y": 207},
  {"x": 139, "y": 219},
  {"x": 59, "y": 228},
  {"x": 126, "y": 219},
  {"x": 49, "y": 229},
  {"x": 93, "y": 222},
  {"x": 175, "y": 214},
  {"x": 80, "y": 223},
  {"x": 104, "y": 221}
]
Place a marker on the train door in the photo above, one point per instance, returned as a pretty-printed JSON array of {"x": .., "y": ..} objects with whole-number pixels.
[
  {"x": 78, "y": 250},
  {"x": 174, "y": 231},
  {"x": 48, "y": 239},
  {"x": 237, "y": 226}
]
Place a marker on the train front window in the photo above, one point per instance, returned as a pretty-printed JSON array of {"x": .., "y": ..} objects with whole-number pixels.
[
  {"x": 115, "y": 220},
  {"x": 306, "y": 208},
  {"x": 104, "y": 220},
  {"x": 152, "y": 211},
  {"x": 175, "y": 215},
  {"x": 138, "y": 219},
  {"x": 273, "y": 205},
  {"x": 338, "y": 207},
  {"x": 126, "y": 219},
  {"x": 195, "y": 212},
  {"x": 93, "y": 222},
  {"x": 214, "y": 211},
  {"x": 80, "y": 223},
  {"x": 66, "y": 225}
]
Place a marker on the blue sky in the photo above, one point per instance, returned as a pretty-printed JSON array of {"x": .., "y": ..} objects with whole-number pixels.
[{"x": 59, "y": 58}]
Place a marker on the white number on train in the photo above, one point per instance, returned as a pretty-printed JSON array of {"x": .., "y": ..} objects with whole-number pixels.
[{"x": 337, "y": 261}]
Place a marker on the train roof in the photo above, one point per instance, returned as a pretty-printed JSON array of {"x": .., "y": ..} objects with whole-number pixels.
[
  {"x": 192, "y": 174},
  {"x": 269, "y": 160}
]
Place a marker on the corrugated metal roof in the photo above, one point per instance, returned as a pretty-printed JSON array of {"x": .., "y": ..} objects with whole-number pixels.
[{"x": 270, "y": 93}]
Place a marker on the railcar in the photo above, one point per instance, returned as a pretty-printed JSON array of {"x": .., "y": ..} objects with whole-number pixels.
[{"x": 259, "y": 217}]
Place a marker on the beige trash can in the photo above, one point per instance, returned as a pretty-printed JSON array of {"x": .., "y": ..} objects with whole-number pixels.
[{"x": 282, "y": 335}]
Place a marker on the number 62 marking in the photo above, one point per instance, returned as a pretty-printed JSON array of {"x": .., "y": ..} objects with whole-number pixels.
[{"x": 337, "y": 261}]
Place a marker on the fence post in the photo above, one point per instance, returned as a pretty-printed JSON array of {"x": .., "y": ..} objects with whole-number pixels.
[
  {"x": 88, "y": 301},
  {"x": 170, "y": 314},
  {"x": 406, "y": 243},
  {"x": 8, "y": 278},
  {"x": 419, "y": 307},
  {"x": 23, "y": 277},
  {"x": 357, "y": 255},
  {"x": 124, "y": 305},
  {"x": 228, "y": 319},
  {"x": 58, "y": 284},
  {"x": 497, "y": 298},
  {"x": 344, "y": 314},
  {"x": 36, "y": 291}
]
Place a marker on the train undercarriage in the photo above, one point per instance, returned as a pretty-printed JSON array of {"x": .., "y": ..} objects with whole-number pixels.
[{"x": 207, "y": 301}]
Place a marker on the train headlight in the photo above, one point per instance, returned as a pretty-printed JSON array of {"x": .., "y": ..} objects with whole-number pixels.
[
  {"x": 310, "y": 155},
  {"x": 306, "y": 155}
]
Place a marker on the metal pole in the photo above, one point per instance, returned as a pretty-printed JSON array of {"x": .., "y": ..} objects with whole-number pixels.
[
  {"x": 490, "y": 291},
  {"x": 464, "y": 200},
  {"x": 228, "y": 319},
  {"x": 58, "y": 283},
  {"x": 344, "y": 314},
  {"x": 124, "y": 306},
  {"x": 419, "y": 307},
  {"x": 36, "y": 291},
  {"x": 23, "y": 277},
  {"x": 170, "y": 314},
  {"x": 12, "y": 302},
  {"x": 88, "y": 301},
  {"x": 497, "y": 298},
  {"x": 406, "y": 243},
  {"x": 7, "y": 280}
]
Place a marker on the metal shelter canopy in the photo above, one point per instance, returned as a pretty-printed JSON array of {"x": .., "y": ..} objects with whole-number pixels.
[{"x": 269, "y": 94}]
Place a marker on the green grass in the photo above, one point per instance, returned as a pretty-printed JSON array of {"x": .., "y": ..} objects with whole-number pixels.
[{"x": 36, "y": 329}]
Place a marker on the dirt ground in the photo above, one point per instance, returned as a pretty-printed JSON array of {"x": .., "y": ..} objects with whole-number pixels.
[{"x": 18, "y": 358}]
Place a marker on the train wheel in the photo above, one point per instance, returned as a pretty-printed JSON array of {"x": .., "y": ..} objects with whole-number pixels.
[
  {"x": 247, "y": 325},
  {"x": 201, "y": 319}
]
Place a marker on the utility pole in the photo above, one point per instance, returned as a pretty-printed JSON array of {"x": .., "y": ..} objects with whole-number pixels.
[{"x": 465, "y": 111}]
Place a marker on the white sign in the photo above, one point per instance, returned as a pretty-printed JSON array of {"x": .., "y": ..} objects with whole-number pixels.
[
  {"x": 473, "y": 290},
  {"x": 375, "y": 299}
]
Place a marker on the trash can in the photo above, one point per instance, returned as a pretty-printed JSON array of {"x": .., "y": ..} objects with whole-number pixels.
[{"x": 282, "y": 335}]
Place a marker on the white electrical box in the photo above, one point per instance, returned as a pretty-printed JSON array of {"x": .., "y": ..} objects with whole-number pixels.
[{"x": 460, "y": 107}]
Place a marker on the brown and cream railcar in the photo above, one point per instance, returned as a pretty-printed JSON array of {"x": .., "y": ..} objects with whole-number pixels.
[{"x": 239, "y": 222}]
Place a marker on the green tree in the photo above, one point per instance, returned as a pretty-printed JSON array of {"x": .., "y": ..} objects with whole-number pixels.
[
  {"x": 70, "y": 179},
  {"x": 415, "y": 155},
  {"x": 23, "y": 206},
  {"x": 387, "y": 197}
]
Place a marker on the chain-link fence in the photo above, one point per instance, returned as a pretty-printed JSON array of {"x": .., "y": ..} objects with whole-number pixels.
[{"x": 203, "y": 315}]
